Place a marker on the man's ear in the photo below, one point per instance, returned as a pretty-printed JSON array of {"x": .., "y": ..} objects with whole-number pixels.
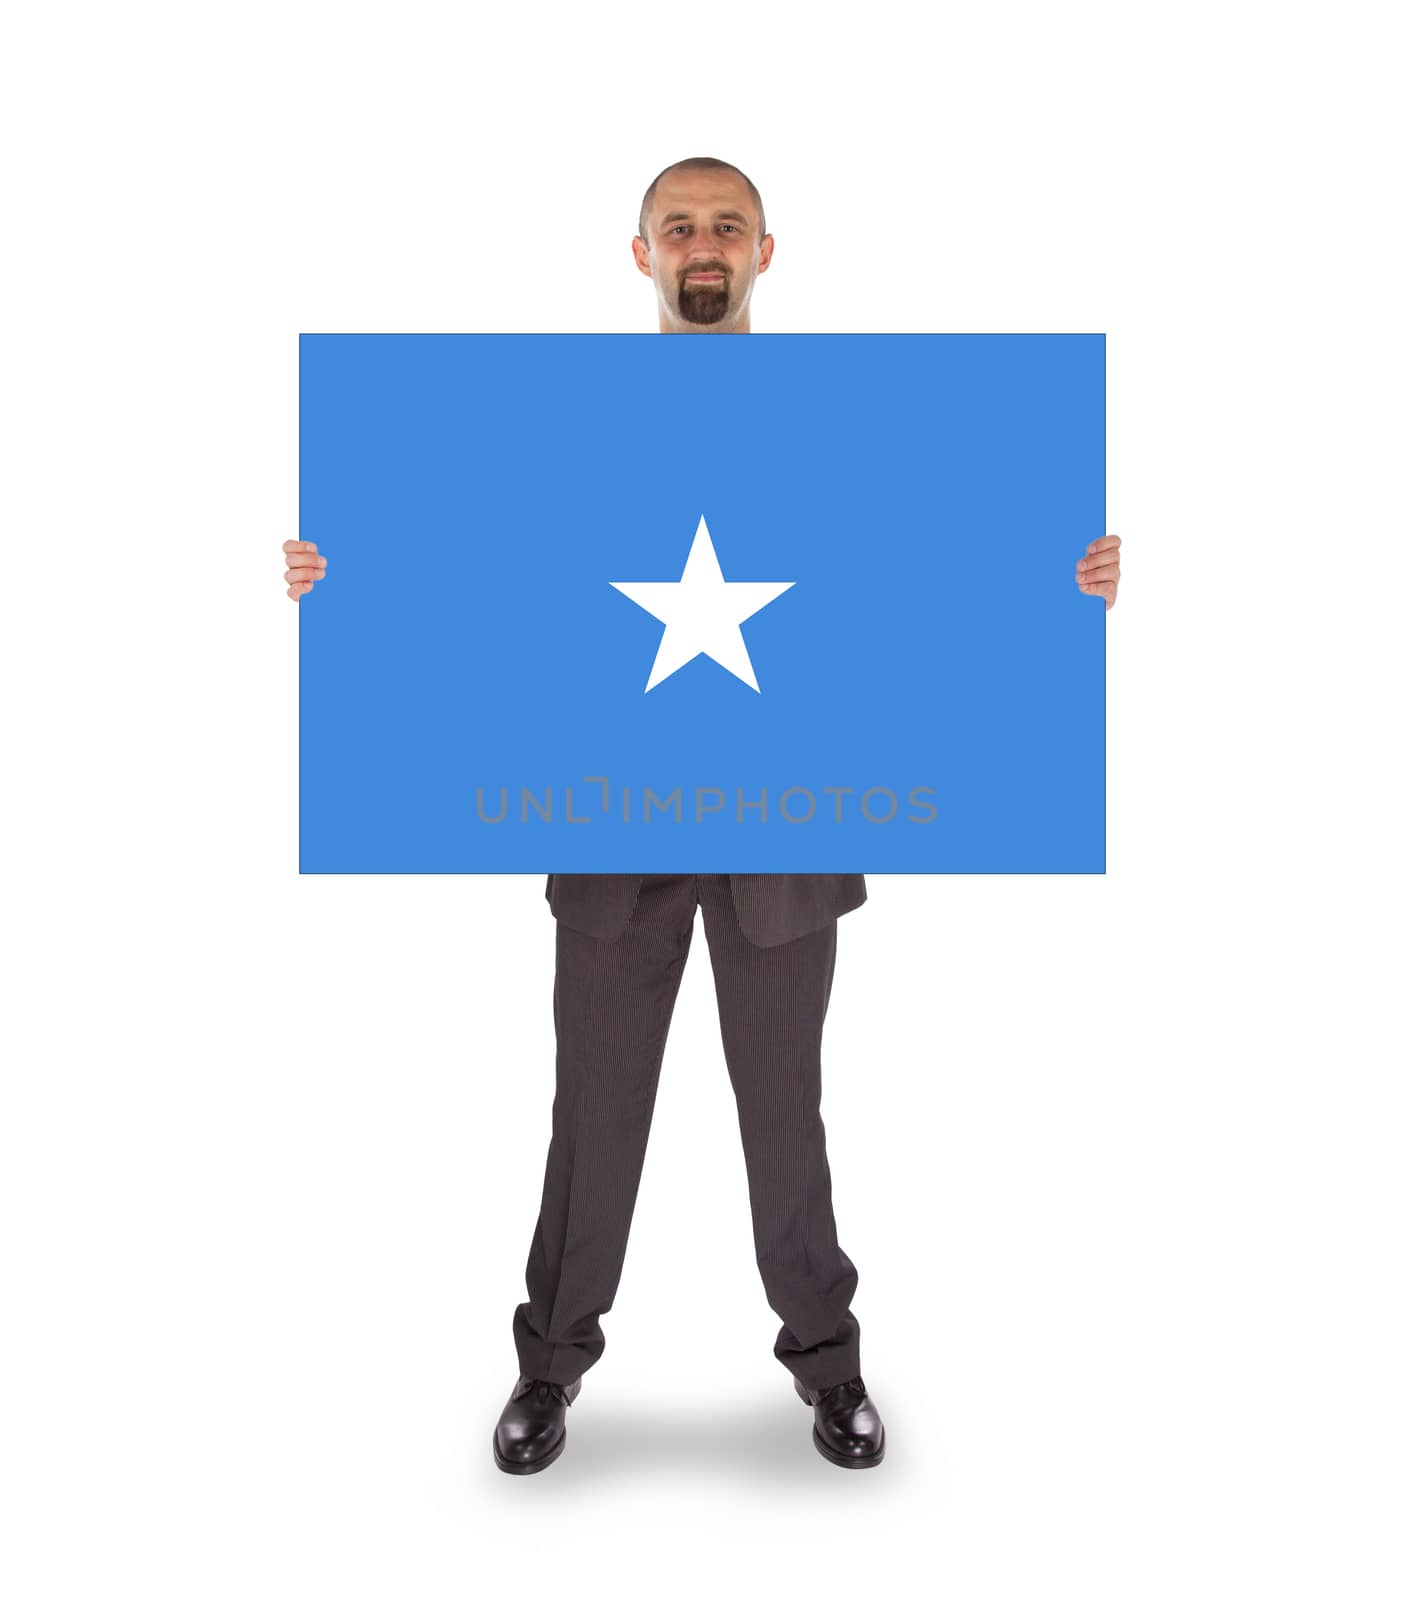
[
  {"x": 641, "y": 256},
  {"x": 768, "y": 244}
]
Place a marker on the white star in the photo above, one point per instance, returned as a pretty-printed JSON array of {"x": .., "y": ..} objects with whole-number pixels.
[{"x": 702, "y": 613}]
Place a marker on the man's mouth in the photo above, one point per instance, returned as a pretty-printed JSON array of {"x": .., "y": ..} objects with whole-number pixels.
[{"x": 704, "y": 277}]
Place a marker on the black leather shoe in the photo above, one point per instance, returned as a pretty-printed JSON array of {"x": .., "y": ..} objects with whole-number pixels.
[
  {"x": 531, "y": 1431},
  {"x": 848, "y": 1430}
]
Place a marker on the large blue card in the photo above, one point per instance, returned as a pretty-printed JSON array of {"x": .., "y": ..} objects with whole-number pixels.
[{"x": 762, "y": 603}]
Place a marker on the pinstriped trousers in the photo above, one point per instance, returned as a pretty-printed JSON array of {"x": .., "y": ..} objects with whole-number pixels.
[{"x": 613, "y": 1001}]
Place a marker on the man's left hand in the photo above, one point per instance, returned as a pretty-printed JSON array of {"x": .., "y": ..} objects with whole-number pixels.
[{"x": 1099, "y": 571}]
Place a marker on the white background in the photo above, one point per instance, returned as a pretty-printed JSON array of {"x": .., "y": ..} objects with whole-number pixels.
[{"x": 1118, "y": 1159}]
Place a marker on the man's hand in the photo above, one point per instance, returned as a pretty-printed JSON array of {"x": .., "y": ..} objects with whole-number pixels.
[
  {"x": 305, "y": 566},
  {"x": 1099, "y": 571}
]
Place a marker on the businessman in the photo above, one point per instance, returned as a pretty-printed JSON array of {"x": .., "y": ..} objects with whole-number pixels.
[{"x": 621, "y": 944}]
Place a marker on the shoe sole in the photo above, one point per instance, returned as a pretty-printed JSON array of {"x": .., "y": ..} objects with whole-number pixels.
[
  {"x": 520, "y": 1468},
  {"x": 847, "y": 1461}
]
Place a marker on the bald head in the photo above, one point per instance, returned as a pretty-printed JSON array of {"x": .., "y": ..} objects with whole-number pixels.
[
  {"x": 701, "y": 164},
  {"x": 702, "y": 239}
]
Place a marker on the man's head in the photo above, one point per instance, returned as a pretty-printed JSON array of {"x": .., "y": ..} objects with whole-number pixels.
[{"x": 702, "y": 239}]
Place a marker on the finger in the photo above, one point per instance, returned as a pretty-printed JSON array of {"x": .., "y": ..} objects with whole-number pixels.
[
  {"x": 1107, "y": 590},
  {"x": 299, "y": 547},
  {"x": 307, "y": 575},
  {"x": 1100, "y": 563},
  {"x": 1109, "y": 541},
  {"x": 308, "y": 563},
  {"x": 297, "y": 590}
]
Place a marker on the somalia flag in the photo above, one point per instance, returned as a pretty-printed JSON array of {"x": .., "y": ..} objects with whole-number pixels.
[{"x": 752, "y": 603}]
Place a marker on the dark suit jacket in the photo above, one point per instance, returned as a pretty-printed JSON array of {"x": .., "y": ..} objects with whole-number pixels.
[{"x": 772, "y": 908}]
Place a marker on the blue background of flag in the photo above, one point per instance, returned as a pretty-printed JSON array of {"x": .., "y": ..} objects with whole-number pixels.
[{"x": 477, "y": 494}]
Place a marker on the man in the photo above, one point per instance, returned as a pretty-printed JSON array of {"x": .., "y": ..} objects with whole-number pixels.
[{"x": 621, "y": 944}]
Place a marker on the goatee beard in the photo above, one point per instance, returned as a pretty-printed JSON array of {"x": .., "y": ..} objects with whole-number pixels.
[{"x": 704, "y": 304}]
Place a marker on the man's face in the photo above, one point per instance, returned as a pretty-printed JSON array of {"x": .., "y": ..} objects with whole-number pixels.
[{"x": 704, "y": 249}]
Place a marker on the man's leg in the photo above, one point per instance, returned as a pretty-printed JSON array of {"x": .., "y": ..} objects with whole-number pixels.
[
  {"x": 613, "y": 1002},
  {"x": 772, "y": 1005}
]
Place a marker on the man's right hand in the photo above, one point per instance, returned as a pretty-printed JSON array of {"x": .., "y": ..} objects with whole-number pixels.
[{"x": 305, "y": 566}]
